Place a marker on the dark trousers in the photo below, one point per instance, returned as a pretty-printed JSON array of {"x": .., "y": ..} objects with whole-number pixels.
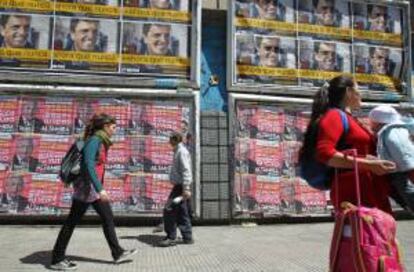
[
  {"x": 78, "y": 209},
  {"x": 177, "y": 214}
]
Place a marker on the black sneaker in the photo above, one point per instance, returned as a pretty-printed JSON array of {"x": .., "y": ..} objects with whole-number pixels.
[
  {"x": 64, "y": 265},
  {"x": 188, "y": 241},
  {"x": 127, "y": 254},
  {"x": 167, "y": 242}
]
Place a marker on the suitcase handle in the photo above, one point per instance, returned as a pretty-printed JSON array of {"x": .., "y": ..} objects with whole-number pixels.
[
  {"x": 347, "y": 153},
  {"x": 353, "y": 153}
]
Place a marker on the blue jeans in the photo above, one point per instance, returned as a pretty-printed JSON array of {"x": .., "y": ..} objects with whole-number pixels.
[{"x": 177, "y": 215}]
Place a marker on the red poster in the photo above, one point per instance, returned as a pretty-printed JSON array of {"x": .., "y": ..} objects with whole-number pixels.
[
  {"x": 117, "y": 189},
  {"x": 18, "y": 184},
  {"x": 54, "y": 115},
  {"x": 24, "y": 148},
  {"x": 265, "y": 158},
  {"x": 302, "y": 120},
  {"x": 163, "y": 119},
  {"x": 48, "y": 151},
  {"x": 44, "y": 191},
  {"x": 308, "y": 196},
  {"x": 136, "y": 124},
  {"x": 118, "y": 156},
  {"x": 3, "y": 178},
  {"x": 158, "y": 189},
  {"x": 9, "y": 113},
  {"x": 268, "y": 193},
  {"x": 137, "y": 153},
  {"x": 116, "y": 108},
  {"x": 7, "y": 151},
  {"x": 158, "y": 155}
]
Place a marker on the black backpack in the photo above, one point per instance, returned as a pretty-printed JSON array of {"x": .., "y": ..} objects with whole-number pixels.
[{"x": 70, "y": 166}]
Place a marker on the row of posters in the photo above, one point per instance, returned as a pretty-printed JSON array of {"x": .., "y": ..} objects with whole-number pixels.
[
  {"x": 156, "y": 42},
  {"x": 341, "y": 20},
  {"x": 35, "y": 134},
  {"x": 267, "y": 140},
  {"x": 179, "y": 10},
  {"x": 305, "y": 43}
]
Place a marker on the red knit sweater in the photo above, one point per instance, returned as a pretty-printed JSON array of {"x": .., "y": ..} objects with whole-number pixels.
[{"x": 374, "y": 189}]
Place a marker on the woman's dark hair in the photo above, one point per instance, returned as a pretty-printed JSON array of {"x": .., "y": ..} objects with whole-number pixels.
[
  {"x": 176, "y": 137},
  {"x": 97, "y": 122},
  {"x": 327, "y": 97}
]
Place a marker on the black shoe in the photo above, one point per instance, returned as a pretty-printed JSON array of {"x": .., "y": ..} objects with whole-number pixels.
[
  {"x": 188, "y": 241},
  {"x": 64, "y": 265},
  {"x": 127, "y": 254},
  {"x": 167, "y": 242}
]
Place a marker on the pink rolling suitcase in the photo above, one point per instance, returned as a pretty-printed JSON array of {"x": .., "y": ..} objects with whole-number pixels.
[{"x": 364, "y": 239}]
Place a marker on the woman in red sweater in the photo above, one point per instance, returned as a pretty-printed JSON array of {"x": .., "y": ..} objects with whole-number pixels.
[{"x": 342, "y": 94}]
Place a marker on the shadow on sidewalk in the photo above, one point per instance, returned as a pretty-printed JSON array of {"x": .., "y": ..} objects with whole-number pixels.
[
  {"x": 149, "y": 239},
  {"x": 44, "y": 257}
]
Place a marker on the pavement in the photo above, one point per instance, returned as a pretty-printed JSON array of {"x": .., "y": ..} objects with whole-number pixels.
[{"x": 231, "y": 248}]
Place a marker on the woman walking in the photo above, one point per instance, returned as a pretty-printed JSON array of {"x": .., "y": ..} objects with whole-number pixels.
[
  {"x": 342, "y": 94},
  {"x": 88, "y": 190}
]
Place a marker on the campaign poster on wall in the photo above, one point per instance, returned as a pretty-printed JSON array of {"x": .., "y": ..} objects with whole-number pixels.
[
  {"x": 25, "y": 40},
  {"x": 147, "y": 38},
  {"x": 378, "y": 24},
  {"x": 156, "y": 48},
  {"x": 160, "y": 10},
  {"x": 321, "y": 60},
  {"x": 264, "y": 59},
  {"x": 265, "y": 17},
  {"x": 299, "y": 44},
  {"x": 85, "y": 44}
]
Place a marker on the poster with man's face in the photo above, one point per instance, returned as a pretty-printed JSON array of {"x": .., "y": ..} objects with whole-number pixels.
[
  {"x": 156, "y": 48},
  {"x": 266, "y": 59},
  {"x": 331, "y": 13},
  {"x": 159, "y": 10},
  {"x": 24, "y": 40},
  {"x": 378, "y": 19},
  {"x": 85, "y": 44},
  {"x": 318, "y": 58},
  {"x": 265, "y": 10},
  {"x": 375, "y": 66}
]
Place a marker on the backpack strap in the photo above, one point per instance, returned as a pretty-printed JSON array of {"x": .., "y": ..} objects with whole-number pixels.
[{"x": 344, "y": 120}]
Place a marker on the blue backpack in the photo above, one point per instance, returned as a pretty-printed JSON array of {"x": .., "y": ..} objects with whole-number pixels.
[{"x": 317, "y": 174}]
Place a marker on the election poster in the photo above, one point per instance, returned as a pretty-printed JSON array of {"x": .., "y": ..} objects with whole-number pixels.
[
  {"x": 378, "y": 24},
  {"x": 85, "y": 44},
  {"x": 265, "y": 17},
  {"x": 156, "y": 48},
  {"x": 9, "y": 114},
  {"x": 325, "y": 19},
  {"x": 267, "y": 140},
  {"x": 147, "y": 38},
  {"x": 266, "y": 59},
  {"x": 321, "y": 60},
  {"x": 378, "y": 67},
  {"x": 160, "y": 10},
  {"x": 25, "y": 40},
  {"x": 301, "y": 44}
]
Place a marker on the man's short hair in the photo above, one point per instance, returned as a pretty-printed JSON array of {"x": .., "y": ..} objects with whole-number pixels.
[
  {"x": 74, "y": 23},
  {"x": 176, "y": 137},
  {"x": 316, "y": 2},
  {"x": 317, "y": 45},
  {"x": 147, "y": 27},
  {"x": 371, "y": 7},
  {"x": 5, "y": 18},
  {"x": 373, "y": 49}
]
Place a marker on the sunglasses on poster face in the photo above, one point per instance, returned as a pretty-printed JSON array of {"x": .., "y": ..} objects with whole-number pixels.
[{"x": 274, "y": 49}]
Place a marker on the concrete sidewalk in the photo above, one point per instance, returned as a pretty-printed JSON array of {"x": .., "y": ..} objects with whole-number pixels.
[{"x": 287, "y": 248}]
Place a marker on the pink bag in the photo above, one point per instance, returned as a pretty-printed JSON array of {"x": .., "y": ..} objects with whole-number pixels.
[{"x": 364, "y": 239}]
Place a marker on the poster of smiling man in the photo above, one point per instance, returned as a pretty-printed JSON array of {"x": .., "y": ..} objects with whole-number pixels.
[
  {"x": 156, "y": 48},
  {"x": 85, "y": 44},
  {"x": 24, "y": 40}
]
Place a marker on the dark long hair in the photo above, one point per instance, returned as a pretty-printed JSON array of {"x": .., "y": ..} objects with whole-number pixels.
[
  {"x": 97, "y": 122},
  {"x": 327, "y": 97}
]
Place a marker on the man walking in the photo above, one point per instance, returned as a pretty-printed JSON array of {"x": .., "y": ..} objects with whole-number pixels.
[{"x": 176, "y": 211}]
